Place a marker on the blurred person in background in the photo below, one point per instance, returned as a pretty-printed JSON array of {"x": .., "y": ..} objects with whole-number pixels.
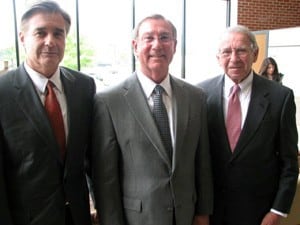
[{"x": 269, "y": 70}]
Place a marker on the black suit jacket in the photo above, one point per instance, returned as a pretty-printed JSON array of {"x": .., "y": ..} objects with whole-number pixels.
[
  {"x": 34, "y": 182},
  {"x": 262, "y": 172}
]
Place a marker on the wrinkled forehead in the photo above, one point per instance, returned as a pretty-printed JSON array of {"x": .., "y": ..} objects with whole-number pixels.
[
  {"x": 234, "y": 40},
  {"x": 155, "y": 26}
]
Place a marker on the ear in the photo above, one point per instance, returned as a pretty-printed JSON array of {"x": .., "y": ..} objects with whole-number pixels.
[
  {"x": 255, "y": 55},
  {"x": 21, "y": 36},
  {"x": 219, "y": 60},
  {"x": 134, "y": 46},
  {"x": 175, "y": 46}
]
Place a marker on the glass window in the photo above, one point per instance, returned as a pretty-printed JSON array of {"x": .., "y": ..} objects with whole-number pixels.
[
  {"x": 7, "y": 43},
  {"x": 105, "y": 33},
  {"x": 202, "y": 29}
]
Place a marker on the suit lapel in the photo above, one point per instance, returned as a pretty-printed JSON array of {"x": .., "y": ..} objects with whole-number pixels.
[
  {"x": 257, "y": 108},
  {"x": 216, "y": 112},
  {"x": 30, "y": 103},
  {"x": 70, "y": 93},
  {"x": 137, "y": 104},
  {"x": 180, "y": 117}
]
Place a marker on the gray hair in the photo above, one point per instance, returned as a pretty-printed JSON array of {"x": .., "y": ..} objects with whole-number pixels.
[
  {"x": 154, "y": 17},
  {"x": 243, "y": 30},
  {"x": 46, "y": 7}
]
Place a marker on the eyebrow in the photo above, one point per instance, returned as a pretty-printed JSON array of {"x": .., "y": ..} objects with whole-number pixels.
[{"x": 56, "y": 29}]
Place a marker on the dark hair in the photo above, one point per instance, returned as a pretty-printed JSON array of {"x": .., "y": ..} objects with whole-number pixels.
[
  {"x": 46, "y": 7},
  {"x": 276, "y": 76},
  {"x": 154, "y": 17}
]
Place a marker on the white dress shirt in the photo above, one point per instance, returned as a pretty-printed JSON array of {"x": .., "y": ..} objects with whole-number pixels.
[
  {"x": 244, "y": 95},
  {"x": 148, "y": 86},
  {"x": 40, "y": 83}
]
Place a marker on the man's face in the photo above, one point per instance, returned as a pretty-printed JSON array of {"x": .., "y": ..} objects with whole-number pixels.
[
  {"x": 236, "y": 56},
  {"x": 43, "y": 38},
  {"x": 154, "y": 48}
]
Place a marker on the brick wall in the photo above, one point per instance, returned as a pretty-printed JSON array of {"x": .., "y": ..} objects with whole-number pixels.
[{"x": 269, "y": 14}]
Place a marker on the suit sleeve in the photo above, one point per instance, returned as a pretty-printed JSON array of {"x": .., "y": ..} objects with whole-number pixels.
[
  {"x": 204, "y": 183},
  {"x": 5, "y": 216},
  {"x": 105, "y": 166},
  {"x": 288, "y": 156}
]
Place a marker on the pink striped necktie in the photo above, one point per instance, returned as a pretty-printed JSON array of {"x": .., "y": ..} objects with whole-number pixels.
[{"x": 234, "y": 117}]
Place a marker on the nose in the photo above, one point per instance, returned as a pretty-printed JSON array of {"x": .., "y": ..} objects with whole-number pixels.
[
  {"x": 234, "y": 56},
  {"x": 49, "y": 40},
  {"x": 156, "y": 41}
]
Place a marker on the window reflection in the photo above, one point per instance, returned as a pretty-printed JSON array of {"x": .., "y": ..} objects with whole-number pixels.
[
  {"x": 105, "y": 32},
  {"x": 108, "y": 35},
  {"x": 7, "y": 43}
]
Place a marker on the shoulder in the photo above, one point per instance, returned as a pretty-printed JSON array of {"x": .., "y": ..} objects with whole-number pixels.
[
  {"x": 7, "y": 79},
  {"x": 117, "y": 90},
  {"x": 276, "y": 93},
  {"x": 210, "y": 84},
  {"x": 270, "y": 86},
  {"x": 70, "y": 72},
  {"x": 77, "y": 77},
  {"x": 185, "y": 85}
]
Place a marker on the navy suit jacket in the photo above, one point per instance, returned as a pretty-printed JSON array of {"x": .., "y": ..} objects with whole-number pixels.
[
  {"x": 34, "y": 182},
  {"x": 262, "y": 171}
]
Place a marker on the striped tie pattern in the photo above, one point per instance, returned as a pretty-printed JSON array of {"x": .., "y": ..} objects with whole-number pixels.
[{"x": 234, "y": 117}]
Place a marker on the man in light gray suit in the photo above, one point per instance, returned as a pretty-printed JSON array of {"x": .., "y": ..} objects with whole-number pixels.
[{"x": 135, "y": 180}]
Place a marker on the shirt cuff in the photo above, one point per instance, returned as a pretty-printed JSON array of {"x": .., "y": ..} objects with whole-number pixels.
[{"x": 279, "y": 213}]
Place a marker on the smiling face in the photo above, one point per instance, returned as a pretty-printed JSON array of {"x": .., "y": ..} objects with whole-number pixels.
[
  {"x": 43, "y": 37},
  {"x": 154, "y": 48},
  {"x": 236, "y": 56}
]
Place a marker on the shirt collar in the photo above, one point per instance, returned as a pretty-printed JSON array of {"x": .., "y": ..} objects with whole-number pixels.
[
  {"x": 40, "y": 81},
  {"x": 244, "y": 85},
  {"x": 148, "y": 85}
]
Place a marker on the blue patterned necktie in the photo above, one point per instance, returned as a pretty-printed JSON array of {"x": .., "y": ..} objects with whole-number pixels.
[{"x": 161, "y": 118}]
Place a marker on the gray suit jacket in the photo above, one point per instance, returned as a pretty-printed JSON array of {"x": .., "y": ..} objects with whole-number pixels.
[
  {"x": 34, "y": 183},
  {"x": 134, "y": 180},
  {"x": 262, "y": 171}
]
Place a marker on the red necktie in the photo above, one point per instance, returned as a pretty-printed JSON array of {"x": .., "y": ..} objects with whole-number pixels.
[
  {"x": 234, "y": 117},
  {"x": 55, "y": 116}
]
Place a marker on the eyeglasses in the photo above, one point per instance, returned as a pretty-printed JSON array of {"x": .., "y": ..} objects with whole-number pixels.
[
  {"x": 240, "y": 52},
  {"x": 163, "y": 38}
]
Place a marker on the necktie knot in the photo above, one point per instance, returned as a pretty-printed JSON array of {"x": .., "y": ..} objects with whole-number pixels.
[
  {"x": 158, "y": 90},
  {"x": 235, "y": 89}
]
